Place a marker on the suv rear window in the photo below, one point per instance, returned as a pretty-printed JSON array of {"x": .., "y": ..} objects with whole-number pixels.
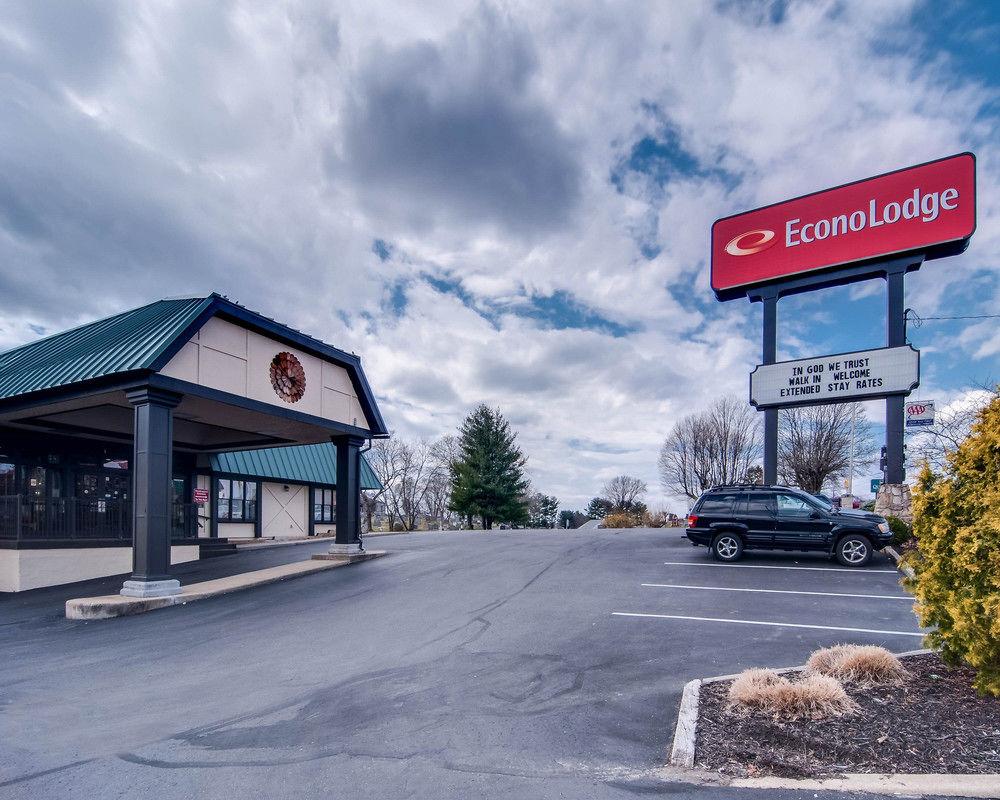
[{"x": 718, "y": 504}]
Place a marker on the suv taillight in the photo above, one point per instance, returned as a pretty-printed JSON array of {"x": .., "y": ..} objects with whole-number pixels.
[{"x": 692, "y": 520}]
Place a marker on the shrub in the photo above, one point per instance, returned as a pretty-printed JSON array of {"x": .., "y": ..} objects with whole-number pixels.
[
  {"x": 398, "y": 527},
  {"x": 901, "y": 531},
  {"x": 863, "y": 665},
  {"x": 957, "y": 560},
  {"x": 620, "y": 520},
  {"x": 813, "y": 696},
  {"x": 654, "y": 519}
]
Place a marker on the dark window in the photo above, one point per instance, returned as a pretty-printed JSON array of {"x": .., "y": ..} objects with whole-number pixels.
[
  {"x": 760, "y": 505},
  {"x": 8, "y": 479},
  {"x": 324, "y": 504},
  {"x": 718, "y": 504},
  {"x": 791, "y": 506},
  {"x": 237, "y": 500}
]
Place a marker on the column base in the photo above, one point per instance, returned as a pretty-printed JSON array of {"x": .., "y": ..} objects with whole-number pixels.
[
  {"x": 151, "y": 588},
  {"x": 348, "y": 549}
]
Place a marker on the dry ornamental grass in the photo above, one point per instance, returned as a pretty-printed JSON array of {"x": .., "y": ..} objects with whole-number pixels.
[
  {"x": 860, "y": 665},
  {"x": 813, "y": 696}
]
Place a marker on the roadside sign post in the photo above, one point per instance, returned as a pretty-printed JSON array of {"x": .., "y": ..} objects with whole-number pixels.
[
  {"x": 876, "y": 482},
  {"x": 880, "y": 227}
]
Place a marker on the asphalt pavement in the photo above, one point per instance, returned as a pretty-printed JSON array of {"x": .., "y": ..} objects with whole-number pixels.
[{"x": 514, "y": 664}]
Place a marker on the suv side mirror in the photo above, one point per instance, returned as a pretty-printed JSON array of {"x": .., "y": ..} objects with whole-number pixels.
[{"x": 814, "y": 514}]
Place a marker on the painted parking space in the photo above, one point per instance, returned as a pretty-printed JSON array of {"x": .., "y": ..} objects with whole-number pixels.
[{"x": 772, "y": 595}]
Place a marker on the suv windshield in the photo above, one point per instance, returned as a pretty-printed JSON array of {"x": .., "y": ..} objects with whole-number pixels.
[
  {"x": 812, "y": 500},
  {"x": 826, "y": 504}
]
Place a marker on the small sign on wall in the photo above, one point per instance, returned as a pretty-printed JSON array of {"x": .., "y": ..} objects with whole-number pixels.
[{"x": 200, "y": 496}]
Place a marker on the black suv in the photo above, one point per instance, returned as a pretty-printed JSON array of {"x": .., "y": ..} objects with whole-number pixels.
[{"x": 731, "y": 519}]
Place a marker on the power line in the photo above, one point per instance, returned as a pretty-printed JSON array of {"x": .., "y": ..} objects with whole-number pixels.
[
  {"x": 974, "y": 316},
  {"x": 914, "y": 319}
]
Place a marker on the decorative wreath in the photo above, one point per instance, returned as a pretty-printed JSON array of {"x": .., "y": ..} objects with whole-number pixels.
[{"x": 288, "y": 377}]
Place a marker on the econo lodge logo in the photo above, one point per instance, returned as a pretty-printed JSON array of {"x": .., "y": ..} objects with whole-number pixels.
[{"x": 746, "y": 244}]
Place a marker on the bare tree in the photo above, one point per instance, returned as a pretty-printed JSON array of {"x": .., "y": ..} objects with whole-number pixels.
[
  {"x": 814, "y": 444},
  {"x": 952, "y": 424},
  {"x": 623, "y": 491},
  {"x": 711, "y": 448},
  {"x": 406, "y": 496},
  {"x": 385, "y": 461},
  {"x": 438, "y": 494}
]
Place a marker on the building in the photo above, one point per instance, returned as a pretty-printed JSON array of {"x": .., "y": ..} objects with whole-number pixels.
[{"x": 152, "y": 436}]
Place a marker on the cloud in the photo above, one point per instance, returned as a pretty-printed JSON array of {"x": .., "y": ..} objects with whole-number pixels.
[{"x": 453, "y": 130}]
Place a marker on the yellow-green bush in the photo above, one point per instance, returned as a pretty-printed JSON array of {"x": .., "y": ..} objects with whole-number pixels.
[
  {"x": 957, "y": 562},
  {"x": 622, "y": 520}
]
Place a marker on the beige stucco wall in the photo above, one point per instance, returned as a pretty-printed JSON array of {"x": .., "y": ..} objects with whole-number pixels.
[
  {"x": 235, "y": 530},
  {"x": 21, "y": 570},
  {"x": 285, "y": 513},
  {"x": 227, "y": 357}
]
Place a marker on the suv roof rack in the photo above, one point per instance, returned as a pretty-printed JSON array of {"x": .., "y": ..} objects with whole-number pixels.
[{"x": 750, "y": 486}]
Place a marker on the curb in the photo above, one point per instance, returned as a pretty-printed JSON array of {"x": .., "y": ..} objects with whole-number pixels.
[
  {"x": 906, "y": 569},
  {"x": 114, "y": 605},
  {"x": 906, "y": 784}
]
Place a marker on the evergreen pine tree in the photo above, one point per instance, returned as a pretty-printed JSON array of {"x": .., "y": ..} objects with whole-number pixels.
[{"x": 487, "y": 478}]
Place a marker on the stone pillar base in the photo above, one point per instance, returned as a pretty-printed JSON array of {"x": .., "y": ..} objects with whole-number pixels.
[
  {"x": 151, "y": 588},
  {"x": 893, "y": 500}
]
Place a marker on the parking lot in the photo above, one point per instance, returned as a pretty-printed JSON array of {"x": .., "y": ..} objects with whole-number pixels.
[
  {"x": 781, "y": 598},
  {"x": 505, "y": 664}
]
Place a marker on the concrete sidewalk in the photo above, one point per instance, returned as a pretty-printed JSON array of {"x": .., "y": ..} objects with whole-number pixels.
[{"x": 115, "y": 605}]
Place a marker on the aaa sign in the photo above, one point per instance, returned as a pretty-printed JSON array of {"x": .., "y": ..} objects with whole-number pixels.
[
  {"x": 929, "y": 208},
  {"x": 848, "y": 376}
]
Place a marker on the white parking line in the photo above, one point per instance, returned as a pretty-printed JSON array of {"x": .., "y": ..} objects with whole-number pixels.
[
  {"x": 769, "y": 624},
  {"x": 855, "y": 570},
  {"x": 775, "y": 591}
]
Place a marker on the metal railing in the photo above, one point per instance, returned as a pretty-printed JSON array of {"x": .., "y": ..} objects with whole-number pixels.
[{"x": 81, "y": 518}]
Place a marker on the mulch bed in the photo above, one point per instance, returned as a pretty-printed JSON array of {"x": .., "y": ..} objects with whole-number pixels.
[{"x": 934, "y": 723}]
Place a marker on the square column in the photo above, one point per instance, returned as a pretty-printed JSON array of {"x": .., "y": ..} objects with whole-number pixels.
[
  {"x": 152, "y": 475},
  {"x": 348, "y": 513}
]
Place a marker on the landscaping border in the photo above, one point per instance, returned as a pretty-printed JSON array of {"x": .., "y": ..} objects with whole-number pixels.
[
  {"x": 943, "y": 784},
  {"x": 906, "y": 569}
]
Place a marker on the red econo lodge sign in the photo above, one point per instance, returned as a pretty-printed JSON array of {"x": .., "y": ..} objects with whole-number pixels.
[{"x": 930, "y": 207}]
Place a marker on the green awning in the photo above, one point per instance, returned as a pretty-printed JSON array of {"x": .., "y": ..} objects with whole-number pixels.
[{"x": 304, "y": 463}]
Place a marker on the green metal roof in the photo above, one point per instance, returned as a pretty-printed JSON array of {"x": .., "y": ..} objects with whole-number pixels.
[
  {"x": 305, "y": 463},
  {"x": 123, "y": 343}
]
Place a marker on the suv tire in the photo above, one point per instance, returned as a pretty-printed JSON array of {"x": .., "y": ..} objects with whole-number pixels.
[
  {"x": 727, "y": 547},
  {"x": 854, "y": 550}
]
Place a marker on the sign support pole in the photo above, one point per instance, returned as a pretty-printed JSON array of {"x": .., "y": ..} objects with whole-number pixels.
[
  {"x": 895, "y": 336},
  {"x": 770, "y": 356}
]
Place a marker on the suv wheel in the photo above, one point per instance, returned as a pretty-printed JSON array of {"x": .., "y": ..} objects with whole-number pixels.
[
  {"x": 854, "y": 550},
  {"x": 727, "y": 547}
]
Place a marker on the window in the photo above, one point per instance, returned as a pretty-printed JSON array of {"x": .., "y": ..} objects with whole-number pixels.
[
  {"x": 8, "y": 480},
  {"x": 759, "y": 505},
  {"x": 324, "y": 505},
  {"x": 791, "y": 506},
  {"x": 718, "y": 504},
  {"x": 237, "y": 500}
]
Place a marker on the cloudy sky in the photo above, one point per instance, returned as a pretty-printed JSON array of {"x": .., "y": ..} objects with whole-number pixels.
[{"x": 505, "y": 202}]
